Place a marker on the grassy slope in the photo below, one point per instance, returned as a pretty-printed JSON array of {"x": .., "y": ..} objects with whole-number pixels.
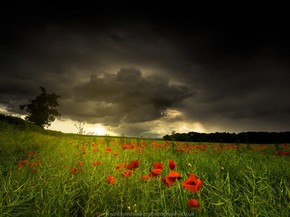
[{"x": 18, "y": 137}]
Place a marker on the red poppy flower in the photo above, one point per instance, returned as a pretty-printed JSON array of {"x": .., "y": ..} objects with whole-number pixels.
[
  {"x": 147, "y": 177},
  {"x": 179, "y": 149},
  {"x": 22, "y": 162},
  {"x": 282, "y": 153},
  {"x": 203, "y": 147},
  {"x": 116, "y": 154},
  {"x": 193, "y": 203},
  {"x": 139, "y": 150},
  {"x": 73, "y": 170},
  {"x": 192, "y": 183},
  {"x": 80, "y": 163},
  {"x": 158, "y": 165},
  {"x": 133, "y": 165},
  {"x": 172, "y": 165},
  {"x": 95, "y": 150},
  {"x": 111, "y": 180},
  {"x": 164, "y": 181},
  {"x": 126, "y": 146},
  {"x": 36, "y": 163},
  {"x": 108, "y": 150},
  {"x": 170, "y": 179},
  {"x": 155, "y": 172},
  {"x": 127, "y": 173},
  {"x": 96, "y": 163},
  {"x": 120, "y": 166}
]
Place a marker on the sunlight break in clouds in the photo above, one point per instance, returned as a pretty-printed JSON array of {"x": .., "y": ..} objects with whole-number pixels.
[
  {"x": 100, "y": 130},
  {"x": 68, "y": 126},
  {"x": 174, "y": 121}
]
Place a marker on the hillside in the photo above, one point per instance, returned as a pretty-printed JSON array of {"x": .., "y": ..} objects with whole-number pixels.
[{"x": 17, "y": 137}]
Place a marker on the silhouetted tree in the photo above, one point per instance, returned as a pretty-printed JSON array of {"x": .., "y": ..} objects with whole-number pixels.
[{"x": 42, "y": 109}]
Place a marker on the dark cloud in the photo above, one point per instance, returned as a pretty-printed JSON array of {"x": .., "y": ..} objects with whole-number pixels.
[
  {"x": 128, "y": 95},
  {"x": 219, "y": 73},
  {"x": 253, "y": 97}
]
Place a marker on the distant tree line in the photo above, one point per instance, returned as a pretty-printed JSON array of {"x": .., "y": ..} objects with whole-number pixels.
[{"x": 244, "y": 137}]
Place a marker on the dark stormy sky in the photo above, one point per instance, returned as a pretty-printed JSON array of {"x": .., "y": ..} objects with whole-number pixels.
[{"x": 149, "y": 74}]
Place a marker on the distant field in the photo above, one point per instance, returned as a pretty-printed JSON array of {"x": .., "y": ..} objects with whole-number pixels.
[{"x": 53, "y": 174}]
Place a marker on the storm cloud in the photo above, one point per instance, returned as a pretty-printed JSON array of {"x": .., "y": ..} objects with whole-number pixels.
[
  {"x": 152, "y": 76},
  {"x": 126, "y": 96}
]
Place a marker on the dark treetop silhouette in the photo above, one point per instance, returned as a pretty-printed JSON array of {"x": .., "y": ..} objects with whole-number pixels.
[{"x": 42, "y": 109}]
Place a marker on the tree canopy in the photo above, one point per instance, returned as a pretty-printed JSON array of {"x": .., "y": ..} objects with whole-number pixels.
[{"x": 42, "y": 109}]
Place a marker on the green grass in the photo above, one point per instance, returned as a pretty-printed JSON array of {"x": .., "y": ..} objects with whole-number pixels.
[{"x": 243, "y": 182}]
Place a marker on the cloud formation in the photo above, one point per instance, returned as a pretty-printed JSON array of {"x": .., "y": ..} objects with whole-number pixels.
[
  {"x": 130, "y": 74},
  {"x": 126, "y": 96}
]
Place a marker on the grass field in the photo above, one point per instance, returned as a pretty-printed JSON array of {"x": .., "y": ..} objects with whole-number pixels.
[{"x": 53, "y": 174}]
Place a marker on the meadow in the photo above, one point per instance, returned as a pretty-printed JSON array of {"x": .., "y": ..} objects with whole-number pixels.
[{"x": 53, "y": 174}]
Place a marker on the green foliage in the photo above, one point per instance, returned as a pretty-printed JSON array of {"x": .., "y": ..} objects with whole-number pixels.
[
  {"x": 42, "y": 109},
  {"x": 235, "y": 182}
]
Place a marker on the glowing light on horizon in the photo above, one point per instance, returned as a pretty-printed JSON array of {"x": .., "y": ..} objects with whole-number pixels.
[{"x": 100, "y": 130}]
